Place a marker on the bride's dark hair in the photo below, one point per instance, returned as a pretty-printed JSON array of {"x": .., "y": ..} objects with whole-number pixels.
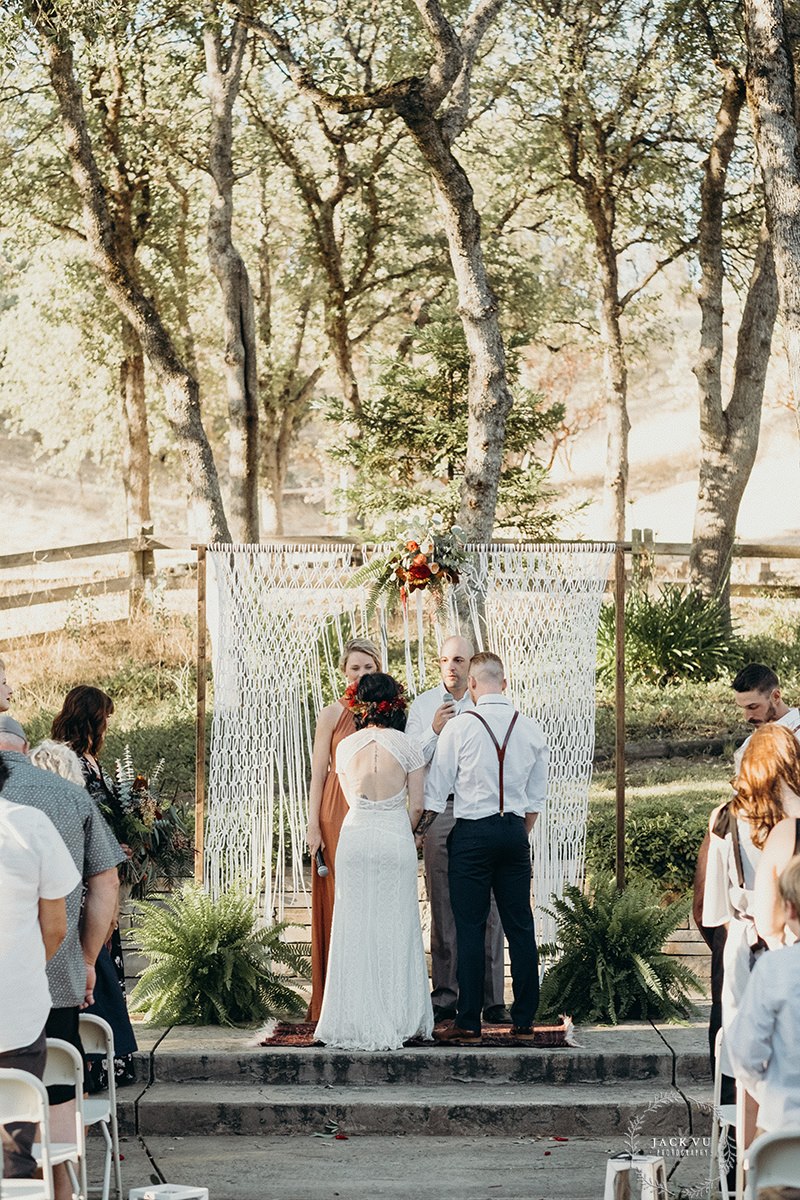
[{"x": 378, "y": 699}]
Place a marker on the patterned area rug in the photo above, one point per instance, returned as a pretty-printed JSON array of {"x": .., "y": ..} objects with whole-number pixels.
[{"x": 301, "y": 1033}]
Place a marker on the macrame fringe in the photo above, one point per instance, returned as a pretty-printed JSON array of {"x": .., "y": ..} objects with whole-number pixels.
[{"x": 285, "y": 612}]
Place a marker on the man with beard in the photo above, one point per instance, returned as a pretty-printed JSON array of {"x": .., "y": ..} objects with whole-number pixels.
[{"x": 757, "y": 692}]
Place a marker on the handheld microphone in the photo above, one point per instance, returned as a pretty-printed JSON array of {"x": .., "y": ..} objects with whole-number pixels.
[{"x": 322, "y": 870}]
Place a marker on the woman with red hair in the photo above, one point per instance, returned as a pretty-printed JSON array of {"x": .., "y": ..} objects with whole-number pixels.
[
  {"x": 766, "y": 792},
  {"x": 780, "y": 847}
]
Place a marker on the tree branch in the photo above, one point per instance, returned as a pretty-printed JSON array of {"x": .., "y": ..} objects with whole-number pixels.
[{"x": 684, "y": 248}]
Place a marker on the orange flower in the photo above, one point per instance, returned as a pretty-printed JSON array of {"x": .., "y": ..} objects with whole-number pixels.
[
  {"x": 412, "y": 545},
  {"x": 434, "y": 568},
  {"x": 420, "y": 560}
]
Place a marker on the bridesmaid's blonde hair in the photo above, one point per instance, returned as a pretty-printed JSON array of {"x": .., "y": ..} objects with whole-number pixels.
[{"x": 360, "y": 646}]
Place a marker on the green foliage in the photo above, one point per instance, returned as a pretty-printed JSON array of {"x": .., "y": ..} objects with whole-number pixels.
[
  {"x": 412, "y": 438},
  {"x": 210, "y": 964},
  {"x": 610, "y": 966},
  {"x": 675, "y": 635},
  {"x": 155, "y": 830},
  {"x": 662, "y": 838},
  {"x": 782, "y": 653}
]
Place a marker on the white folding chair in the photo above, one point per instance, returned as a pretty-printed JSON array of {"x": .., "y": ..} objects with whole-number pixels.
[
  {"x": 773, "y": 1160},
  {"x": 23, "y": 1098},
  {"x": 64, "y": 1067},
  {"x": 98, "y": 1038},
  {"x": 724, "y": 1118}
]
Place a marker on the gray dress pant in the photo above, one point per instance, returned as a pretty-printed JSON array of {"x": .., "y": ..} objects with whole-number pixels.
[{"x": 444, "y": 957}]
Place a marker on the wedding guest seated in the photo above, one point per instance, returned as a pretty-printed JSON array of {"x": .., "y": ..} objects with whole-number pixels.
[
  {"x": 91, "y": 906},
  {"x": 82, "y": 725},
  {"x": 762, "y": 1041},
  {"x": 36, "y": 874}
]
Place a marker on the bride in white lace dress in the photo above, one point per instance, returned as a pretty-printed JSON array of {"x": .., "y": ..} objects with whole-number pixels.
[{"x": 377, "y": 993}]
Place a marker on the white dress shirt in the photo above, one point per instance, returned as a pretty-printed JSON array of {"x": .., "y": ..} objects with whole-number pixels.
[
  {"x": 762, "y": 1041},
  {"x": 465, "y": 763},
  {"x": 419, "y": 726},
  {"x": 34, "y": 865}
]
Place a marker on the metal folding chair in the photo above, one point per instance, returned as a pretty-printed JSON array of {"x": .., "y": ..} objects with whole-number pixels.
[
  {"x": 23, "y": 1098},
  {"x": 98, "y": 1038}
]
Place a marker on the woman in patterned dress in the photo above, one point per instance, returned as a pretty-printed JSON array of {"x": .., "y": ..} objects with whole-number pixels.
[
  {"x": 82, "y": 724},
  {"x": 327, "y": 808}
]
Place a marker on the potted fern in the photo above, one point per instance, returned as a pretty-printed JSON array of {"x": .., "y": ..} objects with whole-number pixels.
[
  {"x": 211, "y": 963},
  {"x": 609, "y": 965}
]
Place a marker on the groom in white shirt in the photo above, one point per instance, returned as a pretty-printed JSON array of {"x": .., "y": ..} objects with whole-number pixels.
[
  {"x": 427, "y": 717},
  {"x": 494, "y": 761}
]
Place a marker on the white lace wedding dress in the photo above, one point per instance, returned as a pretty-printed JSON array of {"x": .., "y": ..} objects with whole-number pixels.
[{"x": 377, "y": 993}]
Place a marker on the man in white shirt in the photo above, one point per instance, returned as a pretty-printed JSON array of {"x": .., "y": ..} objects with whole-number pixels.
[
  {"x": 36, "y": 874},
  {"x": 494, "y": 761},
  {"x": 762, "y": 1041},
  {"x": 427, "y": 717},
  {"x": 757, "y": 692}
]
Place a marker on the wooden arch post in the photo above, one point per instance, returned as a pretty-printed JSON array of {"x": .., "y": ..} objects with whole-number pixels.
[
  {"x": 619, "y": 708},
  {"x": 200, "y": 719}
]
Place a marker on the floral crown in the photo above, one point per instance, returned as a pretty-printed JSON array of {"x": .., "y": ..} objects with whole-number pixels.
[{"x": 363, "y": 708}]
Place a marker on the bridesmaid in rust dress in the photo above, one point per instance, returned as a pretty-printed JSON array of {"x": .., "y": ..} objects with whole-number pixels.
[{"x": 327, "y": 808}]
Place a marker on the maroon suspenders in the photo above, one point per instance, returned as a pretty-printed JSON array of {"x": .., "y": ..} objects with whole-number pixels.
[{"x": 501, "y": 750}]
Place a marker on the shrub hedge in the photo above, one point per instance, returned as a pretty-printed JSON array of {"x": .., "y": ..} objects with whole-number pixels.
[{"x": 662, "y": 838}]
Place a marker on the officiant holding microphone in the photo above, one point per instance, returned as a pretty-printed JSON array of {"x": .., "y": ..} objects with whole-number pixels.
[{"x": 493, "y": 760}]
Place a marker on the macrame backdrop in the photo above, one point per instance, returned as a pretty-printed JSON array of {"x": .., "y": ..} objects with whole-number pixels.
[{"x": 284, "y": 613}]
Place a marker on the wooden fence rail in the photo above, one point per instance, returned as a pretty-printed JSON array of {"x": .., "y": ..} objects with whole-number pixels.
[{"x": 641, "y": 553}]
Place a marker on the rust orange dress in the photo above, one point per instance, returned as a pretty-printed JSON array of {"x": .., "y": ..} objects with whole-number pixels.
[{"x": 332, "y": 811}]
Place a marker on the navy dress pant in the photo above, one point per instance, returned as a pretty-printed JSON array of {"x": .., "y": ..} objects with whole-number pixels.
[{"x": 490, "y": 855}]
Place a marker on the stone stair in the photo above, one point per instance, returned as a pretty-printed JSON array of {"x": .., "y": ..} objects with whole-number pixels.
[{"x": 214, "y": 1083}]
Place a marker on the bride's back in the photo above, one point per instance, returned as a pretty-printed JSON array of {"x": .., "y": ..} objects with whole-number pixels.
[{"x": 370, "y": 764}]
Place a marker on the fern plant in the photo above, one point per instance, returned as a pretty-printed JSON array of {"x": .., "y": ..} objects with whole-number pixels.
[
  {"x": 609, "y": 963},
  {"x": 210, "y": 963}
]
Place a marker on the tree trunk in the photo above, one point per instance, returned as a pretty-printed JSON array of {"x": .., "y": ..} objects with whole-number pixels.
[
  {"x": 489, "y": 397},
  {"x": 770, "y": 83},
  {"x": 135, "y": 438},
  {"x": 239, "y": 323},
  {"x": 615, "y": 369},
  {"x": 274, "y": 469},
  {"x": 180, "y": 388},
  {"x": 729, "y": 438}
]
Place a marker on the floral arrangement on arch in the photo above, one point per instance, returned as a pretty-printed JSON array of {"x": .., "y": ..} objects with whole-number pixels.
[
  {"x": 151, "y": 827},
  {"x": 426, "y": 557}
]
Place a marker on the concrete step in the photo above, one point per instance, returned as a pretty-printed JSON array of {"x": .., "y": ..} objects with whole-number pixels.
[
  {"x": 454, "y": 1109},
  {"x": 414, "y": 1067}
]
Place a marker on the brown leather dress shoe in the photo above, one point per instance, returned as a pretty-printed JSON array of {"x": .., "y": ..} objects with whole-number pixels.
[
  {"x": 523, "y": 1033},
  {"x": 455, "y": 1036}
]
